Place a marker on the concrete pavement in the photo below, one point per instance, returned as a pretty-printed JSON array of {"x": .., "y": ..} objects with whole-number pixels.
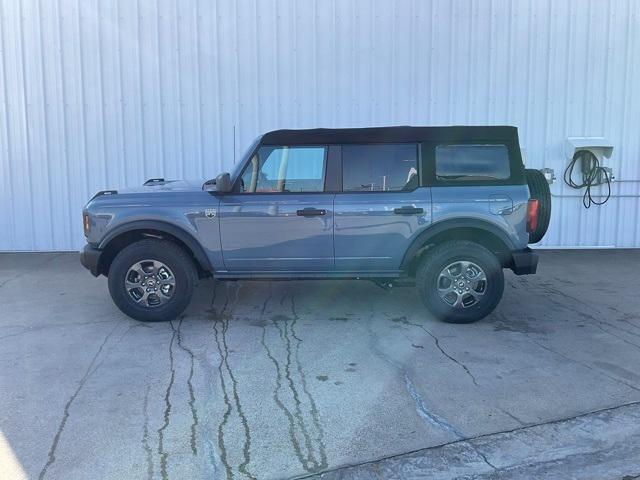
[
  {"x": 286, "y": 379},
  {"x": 597, "y": 445}
]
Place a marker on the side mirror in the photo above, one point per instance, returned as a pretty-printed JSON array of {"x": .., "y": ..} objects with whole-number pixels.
[{"x": 221, "y": 184}]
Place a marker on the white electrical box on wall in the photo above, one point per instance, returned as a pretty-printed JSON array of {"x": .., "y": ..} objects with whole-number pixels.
[{"x": 599, "y": 146}]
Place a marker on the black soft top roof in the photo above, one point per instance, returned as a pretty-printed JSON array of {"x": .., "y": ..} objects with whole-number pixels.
[{"x": 402, "y": 134}]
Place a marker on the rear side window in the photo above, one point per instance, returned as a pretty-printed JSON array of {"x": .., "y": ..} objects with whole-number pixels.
[
  {"x": 285, "y": 169},
  {"x": 379, "y": 168},
  {"x": 472, "y": 162}
]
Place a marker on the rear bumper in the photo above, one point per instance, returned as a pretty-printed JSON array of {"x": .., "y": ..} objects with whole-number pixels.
[
  {"x": 90, "y": 259},
  {"x": 525, "y": 262}
]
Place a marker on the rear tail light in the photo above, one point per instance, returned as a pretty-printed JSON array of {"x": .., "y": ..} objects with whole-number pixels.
[
  {"x": 86, "y": 222},
  {"x": 532, "y": 214}
]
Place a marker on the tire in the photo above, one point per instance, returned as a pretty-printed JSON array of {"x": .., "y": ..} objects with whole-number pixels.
[
  {"x": 453, "y": 253},
  {"x": 156, "y": 307},
  {"x": 539, "y": 190}
]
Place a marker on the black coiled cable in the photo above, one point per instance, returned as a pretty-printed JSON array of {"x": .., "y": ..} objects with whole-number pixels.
[{"x": 590, "y": 178}]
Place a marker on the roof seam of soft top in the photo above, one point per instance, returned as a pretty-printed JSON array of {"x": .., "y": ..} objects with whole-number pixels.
[{"x": 390, "y": 134}]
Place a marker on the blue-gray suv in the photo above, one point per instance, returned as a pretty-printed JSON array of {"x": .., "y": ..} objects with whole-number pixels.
[{"x": 444, "y": 208}]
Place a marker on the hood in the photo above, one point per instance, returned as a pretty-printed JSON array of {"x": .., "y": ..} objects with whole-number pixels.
[{"x": 162, "y": 185}]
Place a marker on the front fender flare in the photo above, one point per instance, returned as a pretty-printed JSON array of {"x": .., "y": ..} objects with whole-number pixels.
[{"x": 178, "y": 232}]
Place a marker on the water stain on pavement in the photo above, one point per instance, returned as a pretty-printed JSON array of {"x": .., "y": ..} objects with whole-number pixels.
[
  {"x": 306, "y": 437},
  {"x": 167, "y": 411},
  {"x": 229, "y": 385},
  {"x": 145, "y": 435},
  {"x": 192, "y": 397},
  {"x": 516, "y": 325}
]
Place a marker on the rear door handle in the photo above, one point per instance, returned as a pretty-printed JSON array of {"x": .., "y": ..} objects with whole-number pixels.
[
  {"x": 408, "y": 210},
  {"x": 311, "y": 212}
]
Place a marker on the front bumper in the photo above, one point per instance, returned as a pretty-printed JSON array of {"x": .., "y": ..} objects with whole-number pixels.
[
  {"x": 524, "y": 262},
  {"x": 90, "y": 259}
]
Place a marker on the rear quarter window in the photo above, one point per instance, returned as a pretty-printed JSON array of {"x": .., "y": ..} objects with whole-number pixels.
[{"x": 472, "y": 162}]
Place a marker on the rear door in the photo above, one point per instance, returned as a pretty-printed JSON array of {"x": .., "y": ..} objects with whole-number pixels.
[
  {"x": 280, "y": 219},
  {"x": 381, "y": 207}
]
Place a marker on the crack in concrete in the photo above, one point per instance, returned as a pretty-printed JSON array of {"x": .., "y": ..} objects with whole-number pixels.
[
  {"x": 295, "y": 420},
  {"x": 223, "y": 351},
  {"x": 167, "y": 410},
  {"x": 424, "y": 412},
  {"x": 145, "y": 435},
  {"x": 66, "y": 411},
  {"x": 510, "y": 469},
  {"x": 436, "y": 342},
  {"x": 468, "y": 440},
  {"x": 512, "y": 416},
  {"x": 484, "y": 457},
  {"x": 192, "y": 397},
  {"x": 11, "y": 279},
  {"x": 421, "y": 407}
]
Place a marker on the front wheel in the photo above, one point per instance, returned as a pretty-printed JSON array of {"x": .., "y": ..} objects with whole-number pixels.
[
  {"x": 460, "y": 281},
  {"x": 152, "y": 280}
]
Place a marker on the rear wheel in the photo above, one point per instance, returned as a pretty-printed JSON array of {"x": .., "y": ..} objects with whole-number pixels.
[
  {"x": 460, "y": 281},
  {"x": 152, "y": 280}
]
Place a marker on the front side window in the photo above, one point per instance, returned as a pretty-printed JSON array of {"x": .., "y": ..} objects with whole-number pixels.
[
  {"x": 285, "y": 169},
  {"x": 379, "y": 167},
  {"x": 472, "y": 162}
]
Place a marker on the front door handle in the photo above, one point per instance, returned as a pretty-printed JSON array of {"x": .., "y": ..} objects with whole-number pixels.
[
  {"x": 311, "y": 212},
  {"x": 408, "y": 210}
]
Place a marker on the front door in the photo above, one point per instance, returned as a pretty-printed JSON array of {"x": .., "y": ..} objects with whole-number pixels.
[{"x": 279, "y": 218}]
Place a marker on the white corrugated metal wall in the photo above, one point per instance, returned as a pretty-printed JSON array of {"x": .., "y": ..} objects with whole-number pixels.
[{"x": 103, "y": 93}]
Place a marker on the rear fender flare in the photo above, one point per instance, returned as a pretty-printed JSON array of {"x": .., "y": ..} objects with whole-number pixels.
[{"x": 439, "y": 227}]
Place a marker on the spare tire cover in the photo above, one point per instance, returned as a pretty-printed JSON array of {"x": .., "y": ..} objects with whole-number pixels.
[{"x": 539, "y": 190}]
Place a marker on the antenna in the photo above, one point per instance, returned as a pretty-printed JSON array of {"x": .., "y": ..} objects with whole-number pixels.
[{"x": 234, "y": 144}]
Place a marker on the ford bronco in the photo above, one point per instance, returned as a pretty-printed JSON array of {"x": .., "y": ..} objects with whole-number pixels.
[{"x": 443, "y": 208}]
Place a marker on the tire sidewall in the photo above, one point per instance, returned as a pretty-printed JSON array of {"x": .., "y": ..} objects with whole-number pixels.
[
  {"x": 149, "y": 250},
  {"x": 476, "y": 254}
]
